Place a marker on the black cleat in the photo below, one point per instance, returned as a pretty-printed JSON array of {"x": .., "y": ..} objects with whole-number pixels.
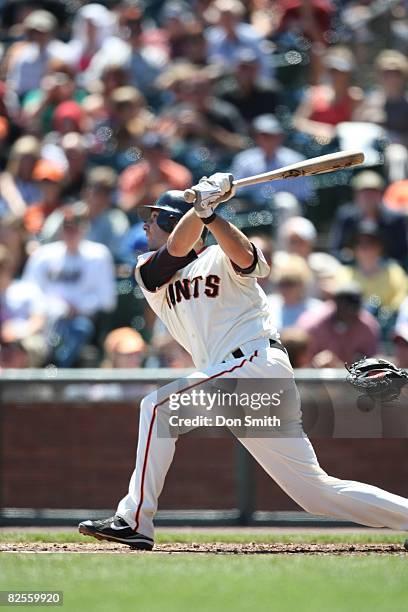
[
  {"x": 406, "y": 544},
  {"x": 115, "y": 529}
]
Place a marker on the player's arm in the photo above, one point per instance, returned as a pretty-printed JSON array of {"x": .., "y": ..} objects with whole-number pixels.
[
  {"x": 185, "y": 235},
  {"x": 160, "y": 267},
  {"x": 234, "y": 243},
  {"x": 236, "y": 246},
  {"x": 177, "y": 253},
  {"x": 211, "y": 192}
]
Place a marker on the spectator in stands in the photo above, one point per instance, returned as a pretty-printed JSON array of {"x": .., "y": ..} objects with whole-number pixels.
[
  {"x": 325, "y": 269},
  {"x": 341, "y": 331},
  {"x": 14, "y": 355},
  {"x": 143, "y": 182},
  {"x": 22, "y": 314},
  {"x": 173, "y": 85},
  {"x": 106, "y": 223},
  {"x": 298, "y": 236},
  {"x": 49, "y": 176},
  {"x": 396, "y": 196},
  {"x": 384, "y": 283},
  {"x": 269, "y": 154},
  {"x": 292, "y": 278},
  {"x": 74, "y": 149},
  {"x": 118, "y": 134},
  {"x": 56, "y": 103},
  {"x": 146, "y": 62},
  {"x": 113, "y": 74},
  {"x": 387, "y": 105},
  {"x": 77, "y": 278},
  {"x": 28, "y": 66},
  {"x": 124, "y": 347},
  {"x": 196, "y": 47},
  {"x": 18, "y": 189},
  {"x": 304, "y": 25},
  {"x": 368, "y": 188},
  {"x": 208, "y": 130},
  {"x": 14, "y": 237},
  {"x": 246, "y": 90},
  {"x": 9, "y": 106},
  {"x": 165, "y": 351},
  {"x": 178, "y": 22},
  {"x": 171, "y": 354},
  {"x": 331, "y": 102},
  {"x": 265, "y": 243},
  {"x": 297, "y": 343},
  {"x": 68, "y": 117},
  {"x": 93, "y": 24},
  {"x": 231, "y": 34},
  {"x": 128, "y": 50},
  {"x": 285, "y": 206},
  {"x": 133, "y": 244}
]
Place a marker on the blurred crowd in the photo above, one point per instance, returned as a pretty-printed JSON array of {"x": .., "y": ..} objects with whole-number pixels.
[{"x": 105, "y": 105}]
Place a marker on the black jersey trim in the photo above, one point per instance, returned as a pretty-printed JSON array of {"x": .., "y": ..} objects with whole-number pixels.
[
  {"x": 161, "y": 267},
  {"x": 250, "y": 268}
]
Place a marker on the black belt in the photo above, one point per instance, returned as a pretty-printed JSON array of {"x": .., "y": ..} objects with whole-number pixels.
[{"x": 272, "y": 343}]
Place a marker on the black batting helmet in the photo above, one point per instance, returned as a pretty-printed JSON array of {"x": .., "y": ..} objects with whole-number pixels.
[{"x": 171, "y": 207}]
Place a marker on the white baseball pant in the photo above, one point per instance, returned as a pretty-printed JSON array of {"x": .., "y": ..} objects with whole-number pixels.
[{"x": 290, "y": 461}]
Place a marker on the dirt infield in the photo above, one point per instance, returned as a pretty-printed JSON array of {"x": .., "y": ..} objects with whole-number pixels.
[{"x": 220, "y": 548}]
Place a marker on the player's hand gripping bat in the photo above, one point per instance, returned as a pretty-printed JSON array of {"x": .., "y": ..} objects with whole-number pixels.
[{"x": 308, "y": 167}]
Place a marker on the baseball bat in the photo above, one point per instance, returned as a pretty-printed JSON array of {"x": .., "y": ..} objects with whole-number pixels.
[{"x": 308, "y": 167}]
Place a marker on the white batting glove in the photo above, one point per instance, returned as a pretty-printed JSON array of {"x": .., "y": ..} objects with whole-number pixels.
[
  {"x": 224, "y": 181},
  {"x": 212, "y": 191}
]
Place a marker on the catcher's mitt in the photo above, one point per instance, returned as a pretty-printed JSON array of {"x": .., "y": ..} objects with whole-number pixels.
[{"x": 379, "y": 378}]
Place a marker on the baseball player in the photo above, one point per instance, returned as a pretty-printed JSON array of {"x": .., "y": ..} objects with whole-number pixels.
[{"x": 210, "y": 300}]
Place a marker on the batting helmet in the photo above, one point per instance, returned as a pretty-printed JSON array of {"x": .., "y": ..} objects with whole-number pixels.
[{"x": 171, "y": 207}]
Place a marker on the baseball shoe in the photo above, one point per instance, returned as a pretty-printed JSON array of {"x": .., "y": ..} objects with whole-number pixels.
[
  {"x": 115, "y": 529},
  {"x": 406, "y": 544}
]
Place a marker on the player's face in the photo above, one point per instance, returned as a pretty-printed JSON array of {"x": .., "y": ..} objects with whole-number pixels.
[{"x": 156, "y": 237}]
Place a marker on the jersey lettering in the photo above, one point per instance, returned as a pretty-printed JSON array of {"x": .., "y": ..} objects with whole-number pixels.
[
  {"x": 195, "y": 283},
  {"x": 212, "y": 285},
  {"x": 182, "y": 289},
  {"x": 170, "y": 295},
  {"x": 186, "y": 289}
]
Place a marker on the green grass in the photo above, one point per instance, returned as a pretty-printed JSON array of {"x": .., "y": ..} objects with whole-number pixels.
[
  {"x": 202, "y": 538},
  {"x": 206, "y": 582}
]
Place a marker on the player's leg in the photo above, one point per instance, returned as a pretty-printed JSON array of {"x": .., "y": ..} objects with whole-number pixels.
[
  {"x": 133, "y": 522},
  {"x": 292, "y": 463},
  {"x": 155, "y": 451}
]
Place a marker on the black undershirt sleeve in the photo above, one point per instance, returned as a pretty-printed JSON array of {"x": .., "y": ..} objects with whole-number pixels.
[{"x": 161, "y": 266}]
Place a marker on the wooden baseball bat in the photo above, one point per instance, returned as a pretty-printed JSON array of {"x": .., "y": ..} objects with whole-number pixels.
[{"x": 307, "y": 167}]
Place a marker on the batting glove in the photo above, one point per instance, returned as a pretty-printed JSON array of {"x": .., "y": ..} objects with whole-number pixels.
[{"x": 212, "y": 191}]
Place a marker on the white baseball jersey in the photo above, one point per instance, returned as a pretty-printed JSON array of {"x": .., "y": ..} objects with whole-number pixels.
[{"x": 209, "y": 308}]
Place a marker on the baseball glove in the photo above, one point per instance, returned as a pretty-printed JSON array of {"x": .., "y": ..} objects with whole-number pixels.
[{"x": 379, "y": 378}]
